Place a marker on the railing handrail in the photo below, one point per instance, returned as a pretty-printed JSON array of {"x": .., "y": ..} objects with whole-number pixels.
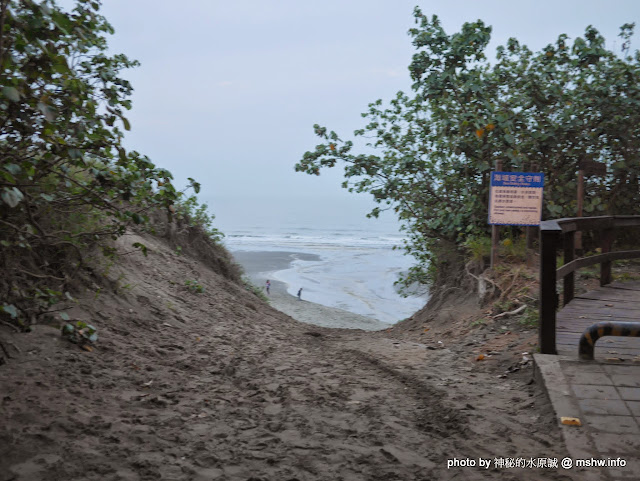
[
  {"x": 576, "y": 264},
  {"x": 550, "y": 232},
  {"x": 573, "y": 224}
]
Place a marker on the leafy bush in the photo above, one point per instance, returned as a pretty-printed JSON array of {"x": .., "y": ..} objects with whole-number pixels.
[
  {"x": 66, "y": 181},
  {"x": 197, "y": 215},
  {"x": 428, "y": 154}
]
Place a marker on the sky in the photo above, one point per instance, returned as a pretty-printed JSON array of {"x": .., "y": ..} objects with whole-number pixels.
[{"x": 228, "y": 91}]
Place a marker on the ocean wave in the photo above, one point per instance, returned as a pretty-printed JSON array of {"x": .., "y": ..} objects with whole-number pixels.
[{"x": 328, "y": 240}]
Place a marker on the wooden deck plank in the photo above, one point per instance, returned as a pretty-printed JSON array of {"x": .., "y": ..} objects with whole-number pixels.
[
  {"x": 568, "y": 322},
  {"x": 597, "y": 306},
  {"x": 612, "y": 296},
  {"x": 580, "y": 301},
  {"x": 622, "y": 287},
  {"x": 615, "y": 302},
  {"x": 631, "y": 285}
]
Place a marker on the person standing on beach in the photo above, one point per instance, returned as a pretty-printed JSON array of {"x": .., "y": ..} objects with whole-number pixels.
[
  {"x": 268, "y": 286},
  {"x": 300, "y": 294}
]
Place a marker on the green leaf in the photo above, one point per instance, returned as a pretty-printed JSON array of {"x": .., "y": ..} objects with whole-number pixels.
[
  {"x": 8, "y": 177},
  {"x": 122, "y": 154},
  {"x": 48, "y": 111},
  {"x": 68, "y": 329},
  {"x": 11, "y": 93},
  {"x": 64, "y": 316},
  {"x": 194, "y": 184},
  {"x": 61, "y": 68},
  {"x": 62, "y": 21},
  {"x": 12, "y": 197},
  {"x": 76, "y": 154},
  {"x": 142, "y": 247},
  {"x": 12, "y": 168},
  {"x": 11, "y": 310}
]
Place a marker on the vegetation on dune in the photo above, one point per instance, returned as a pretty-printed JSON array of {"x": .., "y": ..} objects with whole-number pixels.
[
  {"x": 429, "y": 154},
  {"x": 67, "y": 184}
]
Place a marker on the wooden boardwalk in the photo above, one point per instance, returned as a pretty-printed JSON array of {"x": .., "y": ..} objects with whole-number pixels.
[{"x": 618, "y": 301}]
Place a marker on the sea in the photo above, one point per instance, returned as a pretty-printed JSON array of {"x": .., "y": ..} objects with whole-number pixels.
[{"x": 359, "y": 261}]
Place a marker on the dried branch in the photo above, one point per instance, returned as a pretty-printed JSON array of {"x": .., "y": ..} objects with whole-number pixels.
[{"x": 511, "y": 313}]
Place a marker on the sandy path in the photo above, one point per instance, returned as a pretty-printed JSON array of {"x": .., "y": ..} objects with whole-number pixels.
[{"x": 219, "y": 386}]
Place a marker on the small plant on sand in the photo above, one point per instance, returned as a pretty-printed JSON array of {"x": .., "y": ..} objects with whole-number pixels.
[
  {"x": 194, "y": 286},
  {"x": 514, "y": 249},
  {"x": 248, "y": 285},
  {"x": 80, "y": 333},
  {"x": 530, "y": 317},
  {"x": 479, "y": 322}
]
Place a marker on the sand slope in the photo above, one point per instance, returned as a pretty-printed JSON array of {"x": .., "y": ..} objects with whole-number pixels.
[{"x": 218, "y": 385}]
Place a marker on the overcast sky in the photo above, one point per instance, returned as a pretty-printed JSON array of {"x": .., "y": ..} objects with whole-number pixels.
[{"x": 228, "y": 91}]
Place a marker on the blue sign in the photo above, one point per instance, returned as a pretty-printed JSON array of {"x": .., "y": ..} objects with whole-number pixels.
[{"x": 517, "y": 179}]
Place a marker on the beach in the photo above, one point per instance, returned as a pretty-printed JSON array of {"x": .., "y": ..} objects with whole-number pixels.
[
  {"x": 351, "y": 269},
  {"x": 216, "y": 385},
  {"x": 260, "y": 266}
]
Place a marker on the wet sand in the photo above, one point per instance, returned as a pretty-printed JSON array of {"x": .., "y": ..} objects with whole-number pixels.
[{"x": 260, "y": 266}]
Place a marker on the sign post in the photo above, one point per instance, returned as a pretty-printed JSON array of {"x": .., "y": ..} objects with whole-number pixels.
[
  {"x": 495, "y": 230},
  {"x": 531, "y": 230}
]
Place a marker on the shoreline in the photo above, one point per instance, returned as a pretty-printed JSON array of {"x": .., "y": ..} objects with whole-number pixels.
[{"x": 260, "y": 266}]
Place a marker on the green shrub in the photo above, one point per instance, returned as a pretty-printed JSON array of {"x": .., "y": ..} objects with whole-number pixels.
[
  {"x": 479, "y": 247},
  {"x": 197, "y": 215},
  {"x": 194, "y": 286},
  {"x": 514, "y": 249},
  {"x": 67, "y": 184}
]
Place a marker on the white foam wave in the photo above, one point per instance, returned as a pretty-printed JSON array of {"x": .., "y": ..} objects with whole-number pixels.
[{"x": 239, "y": 240}]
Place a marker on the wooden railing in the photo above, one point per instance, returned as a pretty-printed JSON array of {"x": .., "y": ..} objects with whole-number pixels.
[{"x": 552, "y": 234}]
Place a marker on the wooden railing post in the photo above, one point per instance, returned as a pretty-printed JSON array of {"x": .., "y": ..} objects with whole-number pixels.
[
  {"x": 608, "y": 236},
  {"x": 569, "y": 255},
  {"x": 549, "y": 233}
]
